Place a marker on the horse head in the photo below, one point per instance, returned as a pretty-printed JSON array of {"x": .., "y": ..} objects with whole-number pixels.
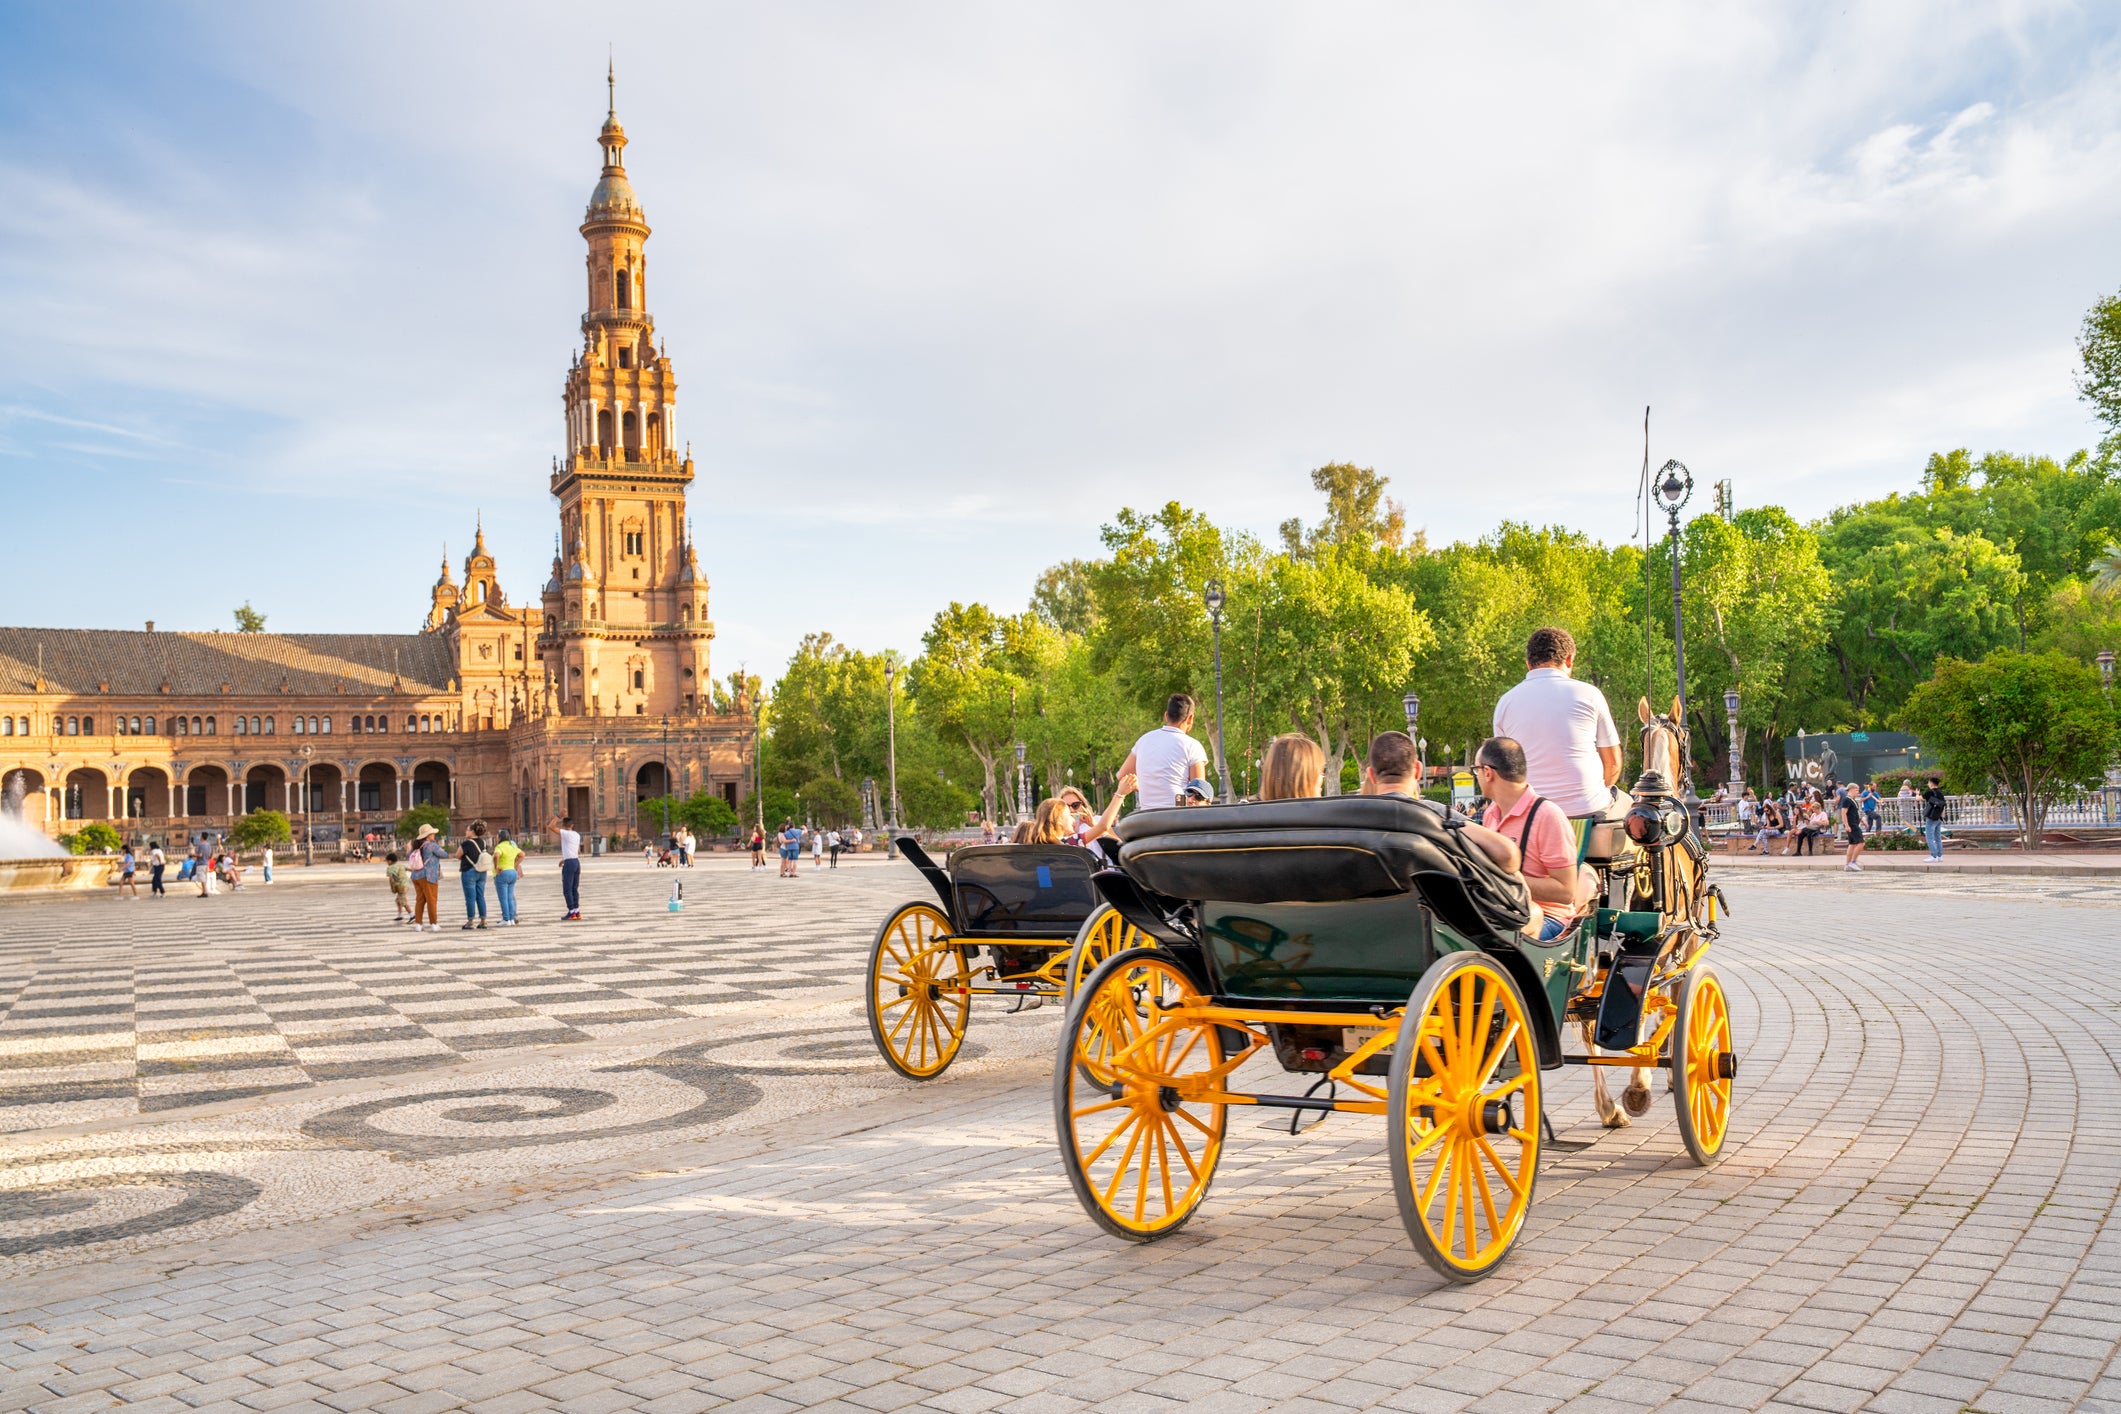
[{"x": 1664, "y": 744}]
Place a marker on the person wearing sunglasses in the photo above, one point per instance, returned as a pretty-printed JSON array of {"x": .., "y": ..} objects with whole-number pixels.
[{"x": 1089, "y": 825}]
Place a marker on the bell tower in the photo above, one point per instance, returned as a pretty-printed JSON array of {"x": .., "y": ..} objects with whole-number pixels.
[{"x": 626, "y": 628}]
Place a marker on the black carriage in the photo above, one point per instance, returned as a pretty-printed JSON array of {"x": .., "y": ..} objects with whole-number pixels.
[
  {"x": 1363, "y": 943},
  {"x": 1017, "y": 921}
]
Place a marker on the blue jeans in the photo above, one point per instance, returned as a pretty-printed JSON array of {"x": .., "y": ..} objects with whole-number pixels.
[
  {"x": 1551, "y": 928},
  {"x": 571, "y": 884},
  {"x": 474, "y": 895},
  {"x": 1933, "y": 834},
  {"x": 504, "y": 893},
  {"x": 268, "y": 873}
]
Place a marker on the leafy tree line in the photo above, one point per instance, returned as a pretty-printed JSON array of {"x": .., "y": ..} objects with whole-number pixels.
[{"x": 1830, "y": 625}]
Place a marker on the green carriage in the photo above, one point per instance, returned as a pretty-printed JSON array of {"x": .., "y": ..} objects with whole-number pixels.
[{"x": 1359, "y": 940}]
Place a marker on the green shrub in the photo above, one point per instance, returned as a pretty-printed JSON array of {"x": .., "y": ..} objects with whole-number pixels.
[
  {"x": 96, "y": 837},
  {"x": 261, "y": 828}
]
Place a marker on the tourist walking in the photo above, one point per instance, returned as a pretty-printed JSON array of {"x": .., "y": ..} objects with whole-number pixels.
[
  {"x": 1933, "y": 818},
  {"x": 126, "y": 864},
  {"x": 832, "y": 847},
  {"x": 570, "y": 868},
  {"x": 1167, "y": 757},
  {"x": 399, "y": 878},
  {"x": 155, "y": 865},
  {"x": 758, "y": 847},
  {"x": 1852, "y": 821},
  {"x": 507, "y": 856},
  {"x": 817, "y": 849},
  {"x": 474, "y": 863},
  {"x": 265, "y": 863},
  {"x": 425, "y": 865}
]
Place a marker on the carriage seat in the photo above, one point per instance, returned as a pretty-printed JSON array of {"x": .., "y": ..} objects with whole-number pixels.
[
  {"x": 1023, "y": 890},
  {"x": 1326, "y": 849}
]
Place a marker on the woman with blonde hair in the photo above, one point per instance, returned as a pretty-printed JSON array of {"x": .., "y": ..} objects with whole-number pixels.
[
  {"x": 1054, "y": 823},
  {"x": 1294, "y": 768}
]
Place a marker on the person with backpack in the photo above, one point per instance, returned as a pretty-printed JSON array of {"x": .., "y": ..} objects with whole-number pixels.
[
  {"x": 1545, "y": 839},
  {"x": 474, "y": 863},
  {"x": 424, "y": 863}
]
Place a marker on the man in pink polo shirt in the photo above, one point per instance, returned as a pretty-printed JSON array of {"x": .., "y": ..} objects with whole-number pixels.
[{"x": 1541, "y": 831}]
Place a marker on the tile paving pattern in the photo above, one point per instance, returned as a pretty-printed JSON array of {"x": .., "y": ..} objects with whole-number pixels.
[
  {"x": 1917, "y": 1213},
  {"x": 188, "y": 1001}
]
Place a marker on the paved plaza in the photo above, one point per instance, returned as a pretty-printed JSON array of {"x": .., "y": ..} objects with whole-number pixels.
[{"x": 269, "y": 1151}]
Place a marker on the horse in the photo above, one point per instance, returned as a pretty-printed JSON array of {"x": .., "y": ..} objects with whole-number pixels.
[{"x": 1664, "y": 744}]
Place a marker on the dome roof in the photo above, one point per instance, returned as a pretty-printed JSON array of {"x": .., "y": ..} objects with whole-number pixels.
[{"x": 614, "y": 197}]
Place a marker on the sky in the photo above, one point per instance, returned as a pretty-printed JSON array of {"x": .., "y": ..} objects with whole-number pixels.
[{"x": 288, "y": 292}]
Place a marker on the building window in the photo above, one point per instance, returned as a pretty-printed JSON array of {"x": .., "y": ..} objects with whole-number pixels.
[
  {"x": 269, "y": 726},
  {"x": 635, "y": 542},
  {"x": 298, "y": 726},
  {"x": 73, "y": 726},
  {"x": 181, "y": 731},
  {"x": 625, "y": 355},
  {"x": 7, "y": 726},
  {"x": 519, "y": 652},
  {"x": 625, "y": 283},
  {"x": 150, "y": 726},
  {"x": 239, "y": 726},
  {"x": 120, "y": 728},
  {"x": 639, "y": 679},
  {"x": 211, "y": 728},
  {"x": 327, "y": 726},
  {"x": 88, "y": 726}
]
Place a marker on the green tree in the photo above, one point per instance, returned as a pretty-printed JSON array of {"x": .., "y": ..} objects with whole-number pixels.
[
  {"x": 249, "y": 620},
  {"x": 2106, "y": 570},
  {"x": 706, "y": 815},
  {"x": 409, "y": 823},
  {"x": 2037, "y": 722},
  {"x": 2099, "y": 352},
  {"x": 831, "y": 802},
  {"x": 1062, "y": 597},
  {"x": 96, "y": 837},
  {"x": 263, "y": 827},
  {"x": 1358, "y": 514},
  {"x": 970, "y": 683},
  {"x": 1152, "y": 630}
]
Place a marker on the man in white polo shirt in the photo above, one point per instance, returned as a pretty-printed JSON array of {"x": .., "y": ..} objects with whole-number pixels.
[
  {"x": 1165, "y": 759},
  {"x": 1571, "y": 747}
]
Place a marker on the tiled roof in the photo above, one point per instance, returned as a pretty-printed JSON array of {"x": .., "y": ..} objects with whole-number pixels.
[{"x": 133, "y": 661}]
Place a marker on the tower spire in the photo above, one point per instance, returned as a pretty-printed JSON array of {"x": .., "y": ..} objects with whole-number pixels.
[{"x": 611, "y": 86}]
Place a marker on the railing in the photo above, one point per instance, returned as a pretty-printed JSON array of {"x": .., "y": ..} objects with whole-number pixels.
[{"x": 1968, "y": 812}]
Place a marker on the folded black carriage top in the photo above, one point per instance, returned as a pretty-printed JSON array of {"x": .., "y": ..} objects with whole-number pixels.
[{"x": 1327, "y": 849}]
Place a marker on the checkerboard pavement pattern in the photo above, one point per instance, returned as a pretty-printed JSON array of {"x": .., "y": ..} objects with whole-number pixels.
[
  {"x": 1916, "y": 1213},
  {"x": 111, "y": 1007}
]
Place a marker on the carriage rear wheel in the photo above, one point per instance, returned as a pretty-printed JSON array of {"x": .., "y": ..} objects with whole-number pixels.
[
  {"x": 920, "y": 992},
  {"x": 1103, "y": 933},
  {"x": 1463, "y": 1115},
  {"x": 1139, "y": 1156},
  {"x": 1704, "y": 1065}
]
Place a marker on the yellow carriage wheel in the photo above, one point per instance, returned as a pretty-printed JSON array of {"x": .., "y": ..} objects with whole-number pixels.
[
  {"x": 1463, "y": 1115},
  {"x": 1139, "y": 1154},
  {"x": 920, "y": 992},
  {"x": 1103, "y": 934},
  {"x": 1704, "y": 1063}
]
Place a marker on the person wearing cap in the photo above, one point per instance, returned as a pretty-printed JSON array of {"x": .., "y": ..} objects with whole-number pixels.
[
  {"x": 425, "y": 865},
  {"x": 1197, "y": 792}
]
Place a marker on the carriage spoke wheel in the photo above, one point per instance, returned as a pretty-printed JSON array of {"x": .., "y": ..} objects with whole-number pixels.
[
  {"x": 1139, "y": 1156},
  {"x": 1704, "y": 1064},
  {"x": 1463, "y": 1115},
  {"x": 1103, "y": 934},
  {"x": 920, "y": 993}
]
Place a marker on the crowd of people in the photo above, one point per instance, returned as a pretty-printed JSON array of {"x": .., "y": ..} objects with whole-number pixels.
[
  {"x": 1851, "y": 811},
  {"x": 209, "y": 866}
]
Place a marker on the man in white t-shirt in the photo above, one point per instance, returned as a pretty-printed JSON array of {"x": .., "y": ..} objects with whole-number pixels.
[
  {"x": 1165, "y": 759},
  {"x": 570, "y": 868},
  {"x": 1571, "y": 747}
]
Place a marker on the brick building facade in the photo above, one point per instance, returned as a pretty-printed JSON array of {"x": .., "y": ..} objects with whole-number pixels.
[{"x": 595, "y": 698}]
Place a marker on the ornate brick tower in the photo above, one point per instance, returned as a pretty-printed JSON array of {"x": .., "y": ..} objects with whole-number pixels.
[{"x": 626, "y": 629}]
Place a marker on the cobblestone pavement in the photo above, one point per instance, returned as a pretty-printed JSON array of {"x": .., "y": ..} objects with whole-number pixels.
[{"x": 742, "y": 1210}]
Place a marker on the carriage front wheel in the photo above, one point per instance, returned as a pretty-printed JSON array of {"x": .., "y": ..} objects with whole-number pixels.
[
  {"x": 1139, "y": 1154},
  {"x": 1463, "y": 1115},
  {"x": 1704, "y": 1065},
  {"x": 920, "y": 992}
]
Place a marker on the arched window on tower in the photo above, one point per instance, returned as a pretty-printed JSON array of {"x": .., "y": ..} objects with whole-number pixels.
[
  {"x": 604, "y": 433},
  {"x": 655, "y": 433},
  {"x": 632, "y": 427},
  {"x": 625, "y": 284}
]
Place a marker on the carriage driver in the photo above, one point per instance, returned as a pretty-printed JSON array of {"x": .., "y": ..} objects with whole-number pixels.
[{"x": 1571, "y": 747}]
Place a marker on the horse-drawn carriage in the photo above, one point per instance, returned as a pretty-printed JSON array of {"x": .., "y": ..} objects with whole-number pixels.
[
  {"x": 1361, "y": 941},
  {"x": 1030, "y": 909}
]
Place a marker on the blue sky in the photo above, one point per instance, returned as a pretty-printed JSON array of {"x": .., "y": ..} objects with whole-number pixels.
[{"x": 289, "y": 291}]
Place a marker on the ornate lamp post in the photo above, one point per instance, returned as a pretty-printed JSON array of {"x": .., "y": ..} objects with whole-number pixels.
[
  {"x": 307, "y": 859},
  {"x": 1023, "y": 786},
  {"x": 1412, "y": 703},
  {"x": 891, "y": 719},
  {"x": 1212, "y": 596},
  {"x": 2105, "y": 659},
  {"x": 1673, "y": 492},
  {"x": 1730, "y": 712}
]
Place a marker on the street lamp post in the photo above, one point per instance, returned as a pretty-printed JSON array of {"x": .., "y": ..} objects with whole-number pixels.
[
  {"x": 668, "y": 785},
  {"x": 1730, "y": 712},
  {"x": 2105, "y": 659},
  {"x": 1213, "y": 597},
  {"x": 1023, "y": 786},
  {"x": 891, "y": 718},
  {"x": 1412, "y": 703},
  {"x": 1673, "y": 492},
  {"x": 307, "y": 857}
]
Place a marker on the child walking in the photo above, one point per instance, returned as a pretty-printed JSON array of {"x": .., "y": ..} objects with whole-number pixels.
[{"x": 400, "y": 879}]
